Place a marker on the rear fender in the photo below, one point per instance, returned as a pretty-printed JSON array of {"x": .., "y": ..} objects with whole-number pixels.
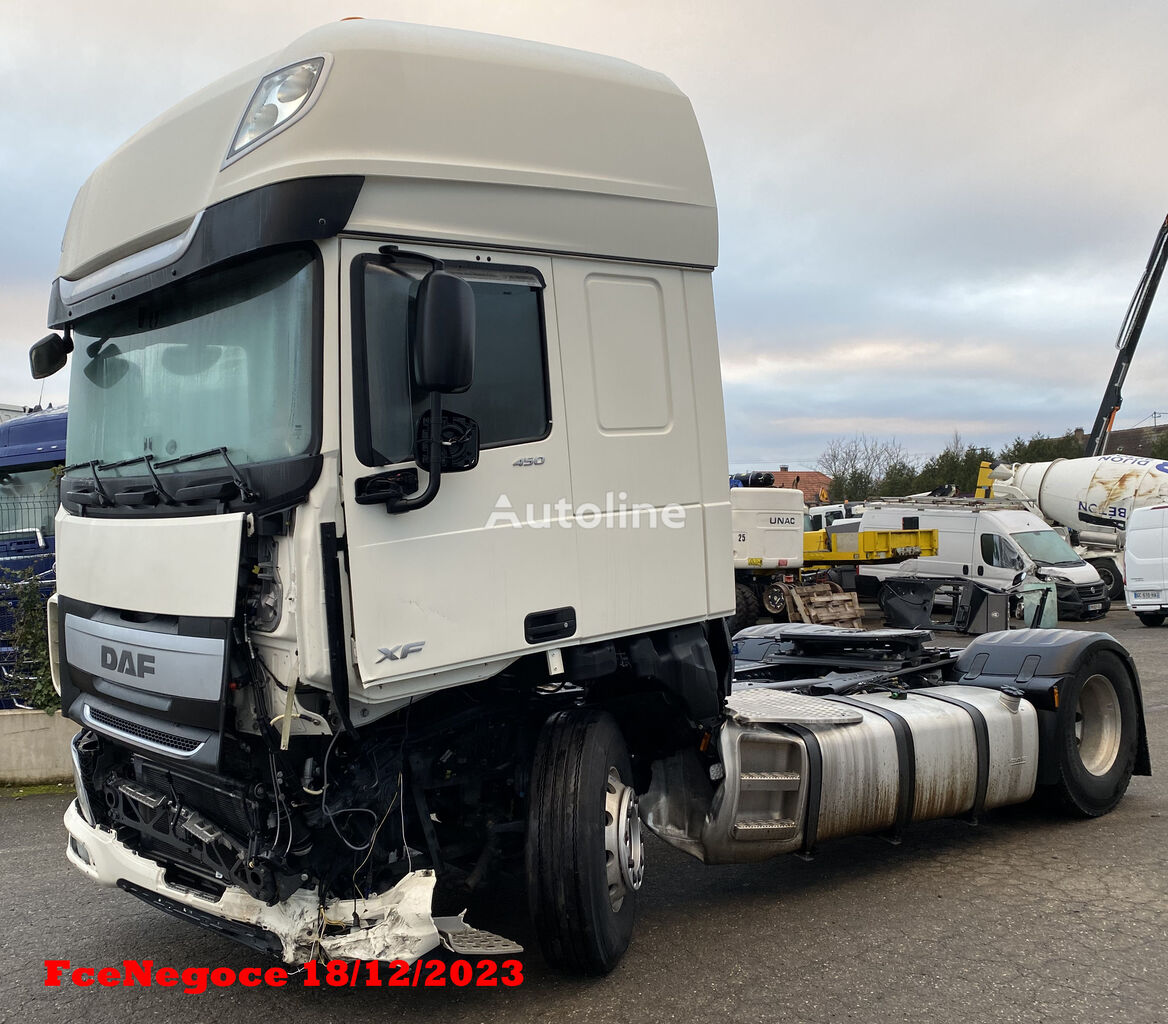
[{"x": 1036, "y": 661}]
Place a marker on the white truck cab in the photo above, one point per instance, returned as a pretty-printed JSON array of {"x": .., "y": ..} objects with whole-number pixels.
[
  {"x": 991, "y": 545},
  {"x": 767, "y": 525},
  {"x": 1146, "y": 579},
  {"x": 394, "y": 371}
]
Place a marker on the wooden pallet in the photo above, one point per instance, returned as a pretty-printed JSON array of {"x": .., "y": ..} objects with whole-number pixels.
[{"x": 820, "y": 603}]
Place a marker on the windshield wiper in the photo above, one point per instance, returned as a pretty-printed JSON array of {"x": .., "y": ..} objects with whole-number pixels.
[
  {"x": 215, "y": 489},
  {"x": 157, "y": 491},
  {"x": 99, "y": 495}
]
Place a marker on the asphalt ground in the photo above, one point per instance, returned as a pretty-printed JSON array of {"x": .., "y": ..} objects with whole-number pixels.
[{"x": 1025, "y": 917}]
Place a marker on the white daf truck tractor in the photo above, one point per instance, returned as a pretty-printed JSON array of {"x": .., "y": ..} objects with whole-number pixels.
[{"x": 394, "y": 384}]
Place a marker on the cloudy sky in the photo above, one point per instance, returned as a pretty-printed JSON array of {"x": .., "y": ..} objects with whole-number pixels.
[{"x": 933, "y": 214}]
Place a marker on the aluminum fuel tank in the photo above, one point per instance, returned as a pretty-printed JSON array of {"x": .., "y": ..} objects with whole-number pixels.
[{"x": 942, "y": 752}]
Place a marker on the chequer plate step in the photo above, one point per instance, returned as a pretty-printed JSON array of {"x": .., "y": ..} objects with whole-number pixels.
[{"x": 780, "y": 707}]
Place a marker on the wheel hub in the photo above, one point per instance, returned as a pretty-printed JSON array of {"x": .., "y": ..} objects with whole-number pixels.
[
  {"x": 774, "y": 599},
  {"x": 624, "y": 854},
  {"x": 1097, "y": 725}
]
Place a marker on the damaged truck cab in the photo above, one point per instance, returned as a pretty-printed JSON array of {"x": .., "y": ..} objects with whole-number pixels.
[{"x": 394, "y": 384}]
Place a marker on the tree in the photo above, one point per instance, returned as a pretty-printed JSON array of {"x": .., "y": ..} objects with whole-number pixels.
[
  {"x": 1042, "y": 449},
  {"x": 26, "y": 662},
  {"x": 1160, "y": 448},
  {"x": 899, "y": 479},
  {"x": 958, "y": 463},
  {"x": 858, "y": 464}
]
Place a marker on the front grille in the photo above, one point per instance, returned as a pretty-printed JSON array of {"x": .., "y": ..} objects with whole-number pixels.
[
  {"x": 1091, "y": 591},
  {"x": 143, "y": 732}
]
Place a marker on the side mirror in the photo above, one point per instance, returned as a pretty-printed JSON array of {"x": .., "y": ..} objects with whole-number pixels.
[
  {"x": 48, "y": 355},
  {"x": 444, "y": 339}
]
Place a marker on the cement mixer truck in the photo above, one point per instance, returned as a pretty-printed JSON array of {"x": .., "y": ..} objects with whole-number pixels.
[{"x": 1092, "y": 497}]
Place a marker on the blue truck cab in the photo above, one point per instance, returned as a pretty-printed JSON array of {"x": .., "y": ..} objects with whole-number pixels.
[
  {"x": 32, "y": 453},
  {"x": 32, "y": 456}
]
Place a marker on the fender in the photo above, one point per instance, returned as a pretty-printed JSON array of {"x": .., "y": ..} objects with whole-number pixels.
[{"x": 1035, "y": 661}]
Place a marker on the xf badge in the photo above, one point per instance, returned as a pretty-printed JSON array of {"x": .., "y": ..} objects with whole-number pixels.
[{"x": 400, "y": 652}]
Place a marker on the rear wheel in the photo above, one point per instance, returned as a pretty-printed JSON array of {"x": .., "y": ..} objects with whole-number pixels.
[
  {"x": 745, "y": 608},
  {"x": 775, "y": 601},
  {"x": 1111, "y": 576},
  {"x": 1151, "y": 618},
  {"x": 1096, "y": 734},
  {"x": 585, "y": 860}
]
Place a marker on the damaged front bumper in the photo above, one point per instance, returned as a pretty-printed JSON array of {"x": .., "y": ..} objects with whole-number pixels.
[{"x": 395, "y": 925}]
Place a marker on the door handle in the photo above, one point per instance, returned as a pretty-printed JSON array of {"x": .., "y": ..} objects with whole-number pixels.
[{"x": 553, "y": 624}]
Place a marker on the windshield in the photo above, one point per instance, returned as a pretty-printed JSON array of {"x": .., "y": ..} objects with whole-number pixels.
[
  {"x": 221, "y": 360},
  {"x": 28, "y": 500},
  {"x": 1046, "y": 547}
]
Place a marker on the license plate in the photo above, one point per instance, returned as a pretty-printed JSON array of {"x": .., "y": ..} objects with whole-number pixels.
[
  {"x": 1147, "y": 595},
  {"x": 1095, "y": 607}
]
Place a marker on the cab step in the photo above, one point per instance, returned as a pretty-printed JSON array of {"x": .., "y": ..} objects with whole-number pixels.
[
  {"x": 764, "y": 829},
  {"x": 769, "y": 780},
  {"x": 459, "y": 937}
]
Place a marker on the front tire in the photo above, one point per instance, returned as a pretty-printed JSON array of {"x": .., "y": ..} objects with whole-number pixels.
[
  {"x": 1096, "y": 734},
  {"x": 585, "y": 860}
]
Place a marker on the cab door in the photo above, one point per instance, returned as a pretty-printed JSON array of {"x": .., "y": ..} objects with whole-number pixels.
[{"x": 486, "y": 571}]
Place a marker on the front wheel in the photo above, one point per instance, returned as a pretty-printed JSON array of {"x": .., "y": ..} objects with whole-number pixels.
[
  {"x": 1096, "y": 735},
  {"x": 585, "y": 860},
  {"x": 1152, "y": 619}
]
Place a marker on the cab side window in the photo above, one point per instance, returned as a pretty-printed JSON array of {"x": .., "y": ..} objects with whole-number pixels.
[
  {"x": 509, "y": 397},
  {"x": 999, "y": 552}
]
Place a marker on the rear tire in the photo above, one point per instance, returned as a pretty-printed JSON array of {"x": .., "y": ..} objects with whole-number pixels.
[
  {"x": 584, "y": 855},
  {"x": 745, "y": 608},
  {"x": 775, "y": 601},
  {"x": 1096, "y": 734},
  {"x": 1111, "y": 576},
  {"x": 1152, "y": 619}
]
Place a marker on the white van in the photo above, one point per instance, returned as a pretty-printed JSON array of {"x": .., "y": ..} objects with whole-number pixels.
[
  {"x": 990, "y": 545},
  {"x": 1145, "y": 581},
  {"x": 822, "y": 516}
]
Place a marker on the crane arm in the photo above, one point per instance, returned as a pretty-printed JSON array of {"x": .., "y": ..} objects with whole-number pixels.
[{"x": 1129, "y": 338}]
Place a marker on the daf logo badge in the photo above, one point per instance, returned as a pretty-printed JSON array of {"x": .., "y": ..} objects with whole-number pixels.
[
  {"x": 400, "y": 652},
  {"x": 126, "y": 662}
]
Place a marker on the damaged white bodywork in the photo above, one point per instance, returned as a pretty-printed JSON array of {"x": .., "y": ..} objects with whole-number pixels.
[{"x": 395, "y": 925}]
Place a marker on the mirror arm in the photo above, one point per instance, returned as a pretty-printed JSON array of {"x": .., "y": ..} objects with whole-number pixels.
[{"x": 435, "y": 481}]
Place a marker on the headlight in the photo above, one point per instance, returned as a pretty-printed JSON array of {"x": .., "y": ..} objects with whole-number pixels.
[{"x": 280, "y": 99}]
